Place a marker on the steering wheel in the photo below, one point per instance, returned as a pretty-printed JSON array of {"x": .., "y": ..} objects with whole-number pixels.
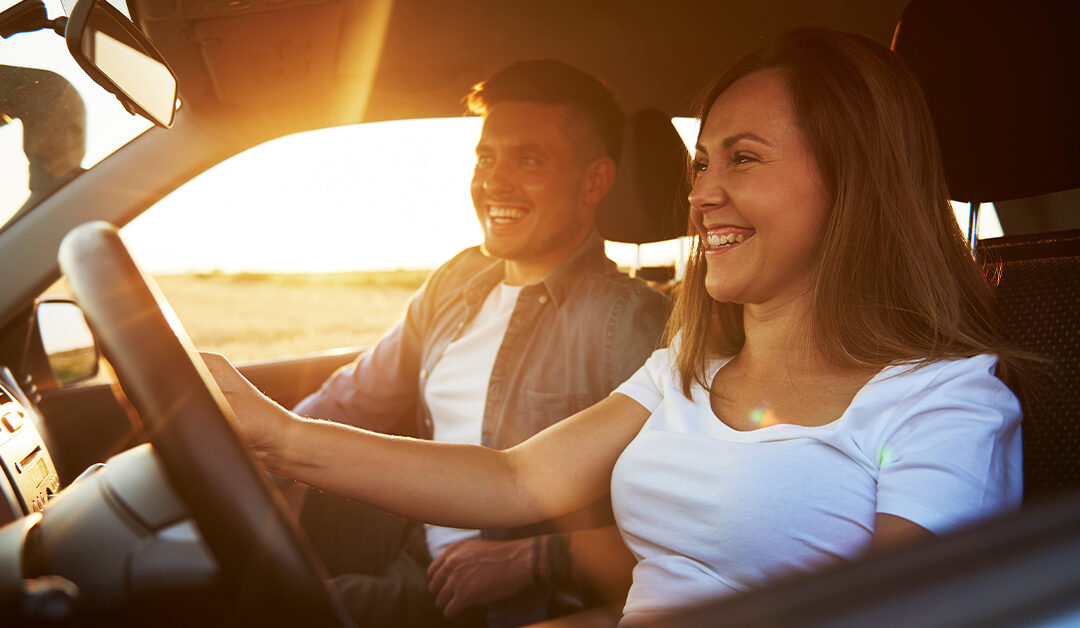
[{"x": 187, "y": 420}]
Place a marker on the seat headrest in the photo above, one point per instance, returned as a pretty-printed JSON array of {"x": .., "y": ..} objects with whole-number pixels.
[
  {"x": 1000, "y": 78},
  {"x": 647, "y": 202}
]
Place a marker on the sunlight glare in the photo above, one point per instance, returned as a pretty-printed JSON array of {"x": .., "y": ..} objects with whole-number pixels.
[
  {"x": 14, "y": 170},
  {"x": 377, "y": 196}
]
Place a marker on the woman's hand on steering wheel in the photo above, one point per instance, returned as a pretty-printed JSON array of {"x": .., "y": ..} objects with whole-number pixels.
[{"x": 258, "y": 418}]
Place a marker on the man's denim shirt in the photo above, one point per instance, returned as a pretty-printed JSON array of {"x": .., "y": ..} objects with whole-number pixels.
[{"x": 572, "y": 338}]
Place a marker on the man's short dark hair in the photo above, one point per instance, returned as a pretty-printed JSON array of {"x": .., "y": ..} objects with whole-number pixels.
[{"x": 551, "y": 82}]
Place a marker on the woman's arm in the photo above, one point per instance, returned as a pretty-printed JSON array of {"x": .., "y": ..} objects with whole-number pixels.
[
  {"x": 564, "y": 467},
  {"x": 891, "y": 531}
]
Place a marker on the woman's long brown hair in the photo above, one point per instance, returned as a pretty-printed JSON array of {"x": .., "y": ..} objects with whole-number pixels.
[{"x": 893, "y": 279}]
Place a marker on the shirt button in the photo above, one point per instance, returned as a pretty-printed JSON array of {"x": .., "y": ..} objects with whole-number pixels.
[
  {"x": 543, "y": 299},
  {"x": 423, "y": 373}
]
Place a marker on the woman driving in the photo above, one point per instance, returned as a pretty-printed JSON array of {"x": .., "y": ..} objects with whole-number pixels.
[{"x": 831, "y": 381}]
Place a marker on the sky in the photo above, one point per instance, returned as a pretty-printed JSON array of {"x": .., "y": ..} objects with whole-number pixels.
[{"x": 377, "y": 196}]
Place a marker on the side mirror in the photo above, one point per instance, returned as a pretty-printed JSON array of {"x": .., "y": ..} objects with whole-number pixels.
[
  {"x": 115, "y": 53},
  {"x": 69, "y": 346}
]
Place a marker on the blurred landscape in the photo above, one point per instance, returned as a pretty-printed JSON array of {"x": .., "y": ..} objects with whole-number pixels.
[{"x": 253, "y": 316}]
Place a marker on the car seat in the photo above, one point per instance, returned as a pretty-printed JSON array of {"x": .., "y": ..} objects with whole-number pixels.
[
  {"x": 1000, "y": 79},
  {"x": 647, "y": 202}
]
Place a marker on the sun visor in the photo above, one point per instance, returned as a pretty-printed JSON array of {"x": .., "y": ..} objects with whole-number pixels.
[{"x": 279, "y": 56}]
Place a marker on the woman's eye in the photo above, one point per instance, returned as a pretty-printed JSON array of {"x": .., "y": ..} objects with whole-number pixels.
[
  {"x": 743, "y": 158},
  {"x": 698, "y": 165}
]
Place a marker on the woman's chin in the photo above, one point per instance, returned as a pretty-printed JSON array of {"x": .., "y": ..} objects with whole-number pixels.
[{"x": 721, "y": 292}]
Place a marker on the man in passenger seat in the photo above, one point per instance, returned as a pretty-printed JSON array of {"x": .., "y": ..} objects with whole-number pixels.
[{"x": 502, "y": 341}]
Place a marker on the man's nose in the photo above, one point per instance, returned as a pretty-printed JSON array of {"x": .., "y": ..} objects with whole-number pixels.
[{"x": 496, "y": 181}]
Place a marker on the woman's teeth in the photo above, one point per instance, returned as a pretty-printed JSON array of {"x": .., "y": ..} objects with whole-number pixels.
[{"x": 714, "y": 239}]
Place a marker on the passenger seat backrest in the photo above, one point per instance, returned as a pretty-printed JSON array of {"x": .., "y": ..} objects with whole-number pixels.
[
  {"x": 1038, "y": 303},
  {"x": 1001, "y": 81}
]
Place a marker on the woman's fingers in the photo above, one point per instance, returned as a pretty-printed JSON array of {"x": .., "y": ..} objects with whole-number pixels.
[{"x": 255, "y": 413}]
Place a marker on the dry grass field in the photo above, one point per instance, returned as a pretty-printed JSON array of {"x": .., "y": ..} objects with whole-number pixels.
[{"x": 253, "y": 316}]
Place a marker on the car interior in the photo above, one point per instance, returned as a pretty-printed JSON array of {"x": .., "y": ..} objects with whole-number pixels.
[{"x": 133, "y": 502}]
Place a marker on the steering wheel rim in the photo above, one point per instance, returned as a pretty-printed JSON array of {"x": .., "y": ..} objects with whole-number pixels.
[{"x": 189, "y": 425}]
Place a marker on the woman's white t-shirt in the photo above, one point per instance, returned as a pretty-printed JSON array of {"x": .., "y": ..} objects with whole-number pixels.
[{"x": 709, "y": 510}]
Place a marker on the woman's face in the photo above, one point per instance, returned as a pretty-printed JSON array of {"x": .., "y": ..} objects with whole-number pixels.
[{"x": 758, "y": 201}]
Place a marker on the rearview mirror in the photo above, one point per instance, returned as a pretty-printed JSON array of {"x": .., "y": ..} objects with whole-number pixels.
[{"x": 116, "y": 54}]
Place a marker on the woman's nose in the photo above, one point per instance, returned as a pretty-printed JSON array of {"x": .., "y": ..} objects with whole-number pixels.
[{"x": 707, "y": 192}]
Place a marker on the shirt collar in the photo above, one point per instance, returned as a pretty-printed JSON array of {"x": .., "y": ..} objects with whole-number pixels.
[{"x": 589, "y": 255}]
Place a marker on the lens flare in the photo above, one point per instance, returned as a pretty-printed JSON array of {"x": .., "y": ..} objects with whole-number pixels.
[
  {"x": 763, "y": 416},
  {"x": 885, "y": 456}
]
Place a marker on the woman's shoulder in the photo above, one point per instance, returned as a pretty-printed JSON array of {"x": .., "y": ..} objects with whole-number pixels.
[
  {"x": 940, "y": 371},
  {"x": 955, "y": 386}
]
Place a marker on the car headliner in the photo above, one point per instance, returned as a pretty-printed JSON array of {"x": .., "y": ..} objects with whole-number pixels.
[{"x": 253, "y": 54}]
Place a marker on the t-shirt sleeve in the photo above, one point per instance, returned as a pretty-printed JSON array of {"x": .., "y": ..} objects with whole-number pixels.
[
  {"x": 646, "y": 385},
  {"x": 951, "y": 452}
]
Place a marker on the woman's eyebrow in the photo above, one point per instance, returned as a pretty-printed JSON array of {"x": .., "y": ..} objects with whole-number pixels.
[{"x": 730, "y": 141}]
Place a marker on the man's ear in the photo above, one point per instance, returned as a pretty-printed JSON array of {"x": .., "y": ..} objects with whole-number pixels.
[{"x": 599, "y": 177}]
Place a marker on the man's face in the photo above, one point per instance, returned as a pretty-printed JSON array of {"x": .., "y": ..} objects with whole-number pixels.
[{"x": 529, "y": 184}]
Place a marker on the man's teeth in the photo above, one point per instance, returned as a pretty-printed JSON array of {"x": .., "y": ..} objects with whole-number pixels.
[
  {"x": 505, "y": 214},
  {"x": 724, "y": 240}
]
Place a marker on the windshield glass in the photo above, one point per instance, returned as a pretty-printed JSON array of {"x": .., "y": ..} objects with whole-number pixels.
[{"x": 54, "y": 121}]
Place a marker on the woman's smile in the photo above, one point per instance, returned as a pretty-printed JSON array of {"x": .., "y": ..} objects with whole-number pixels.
[{"x": 718, "y": 240}]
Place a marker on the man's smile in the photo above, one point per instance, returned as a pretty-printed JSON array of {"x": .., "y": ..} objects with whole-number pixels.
[{"x": 505, "y": 215}]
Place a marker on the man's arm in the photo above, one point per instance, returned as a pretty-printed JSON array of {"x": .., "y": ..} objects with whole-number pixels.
[
  {"x": 600, "y": 561},
  {"x": 378, "y": 390},
  {"x": 476, "y": 572}
]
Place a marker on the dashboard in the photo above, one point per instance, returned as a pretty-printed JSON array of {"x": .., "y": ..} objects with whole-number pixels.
[
  {"x": 115, "y": 546},
  {"x": 30, "y": 478}
]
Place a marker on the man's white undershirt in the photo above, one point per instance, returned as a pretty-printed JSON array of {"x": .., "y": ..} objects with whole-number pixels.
[{"x": 456, "y": 389}]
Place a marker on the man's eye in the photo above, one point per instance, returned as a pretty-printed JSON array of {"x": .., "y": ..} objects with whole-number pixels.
[
  {"x": 529, "y": 161},
  {"x": 483, "y": 161}
]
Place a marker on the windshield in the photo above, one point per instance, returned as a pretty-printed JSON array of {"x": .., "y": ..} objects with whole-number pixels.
[{"x": 54, "y": 121}]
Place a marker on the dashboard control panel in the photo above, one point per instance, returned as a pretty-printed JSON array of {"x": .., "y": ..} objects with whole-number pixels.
[{"x": 31, "y": 478}]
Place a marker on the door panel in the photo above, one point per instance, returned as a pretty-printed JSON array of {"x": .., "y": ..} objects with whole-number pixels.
[{"x": 289, "y": 380}]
